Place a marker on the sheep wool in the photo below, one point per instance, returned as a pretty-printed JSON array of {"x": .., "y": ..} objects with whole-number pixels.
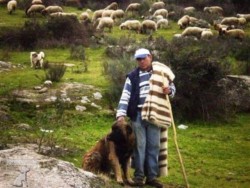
[
  {"x": 163, "y": 12},
  {"x": 112, "y": 6},
  {"x": 37, "y": 8},
  {"x": 148, "y": 25},
  {"x": 52, "y": 9},
  {"x": 183, "y": 22},
  {"x": 11, "y": 6},
  {"x": 133, "y": 7},
  {"x": 162, "y": 23},
  {"x": 131, "y": 25},
  {"x": 105, "y": 22},
  {"x": 193, "y": 31},
  {"x": 157, "y": 5}
]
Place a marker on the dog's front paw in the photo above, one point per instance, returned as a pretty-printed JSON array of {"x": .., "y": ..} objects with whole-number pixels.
[
  {"x": 130, "y": 181},
  {"x": 120, "y": 181}
]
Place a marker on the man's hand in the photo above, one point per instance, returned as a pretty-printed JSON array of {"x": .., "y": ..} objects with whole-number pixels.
[{"x": 166, "y": 90}]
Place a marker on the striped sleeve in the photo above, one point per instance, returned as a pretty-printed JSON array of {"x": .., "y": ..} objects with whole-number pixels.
[{"x": 123, "y": 103}]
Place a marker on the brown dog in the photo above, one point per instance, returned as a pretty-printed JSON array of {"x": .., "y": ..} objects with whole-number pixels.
[{"x": 112, "y": 153}]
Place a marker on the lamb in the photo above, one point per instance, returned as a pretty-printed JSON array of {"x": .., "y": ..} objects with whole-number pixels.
[
  {"x": 37, "y": 8},
  {"x": 119, "y": 13},
  {"x": 213, "y": 10},
  {"x": 11, "y": 6},
  {"x": 162, "y": 23},
  {"x": 148, "y": 25},
  {"x": 112, "y": 6},
  {"x": 162, "y": 12},
  {"x": 184, "y": 21},
  {"x": 133, "y": 7},
  {"x": 193, "y": 31},
  {"x": 52, "y": 9},
  {"x": 131, "y": 25},
  {"x": 157, "y": 5},
  {"x": 105, "y": 22},
  {"x": 234, "y": 33},
  {"x": 207, "y": 34},
  {"x": 36, "y": 59}
]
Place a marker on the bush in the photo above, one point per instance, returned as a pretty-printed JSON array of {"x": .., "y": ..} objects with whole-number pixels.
[{"x": 55, "y": 72}]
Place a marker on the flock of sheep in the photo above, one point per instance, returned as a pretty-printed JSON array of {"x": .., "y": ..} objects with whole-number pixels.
[{"x": 112, "y": 15}]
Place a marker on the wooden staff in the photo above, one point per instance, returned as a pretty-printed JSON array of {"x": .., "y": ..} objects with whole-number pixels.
[{"x": 175, "y": 134}]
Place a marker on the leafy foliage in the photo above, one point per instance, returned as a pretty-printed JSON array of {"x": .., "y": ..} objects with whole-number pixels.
[{"x": 55, "y": 72}]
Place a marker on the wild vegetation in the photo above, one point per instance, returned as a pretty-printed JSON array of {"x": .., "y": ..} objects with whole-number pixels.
[{"x": 215, "y": 147}]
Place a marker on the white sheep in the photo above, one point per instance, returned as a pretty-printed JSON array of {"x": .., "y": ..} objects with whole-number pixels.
[
  {"x": 162, "y": 23},
  {"x": 213, "y": 10},
  {"x": 207, "y": 34},
  {"x": 246, "y": 16},
  {"x": 52, "y": 9},
  {"x": 192, "y": 31},
  {"x": 107, "y": 13},
  {"x": 131, "y": 25},
  {"x": 64, "y": 14},
  {"x": 117, "y": 14},
  {"x": 133, "y": 7},
  {"x": 162, "y": 12},
  {"x": 189, "y": 10},
  {"x": 36, "y": 2},
  {"x": 234, "y": 33},
  {"x": 37, "y": 8},
  {"x": 11, "y": 6},
  {"x": 105, "y": 22},
  {"x": 156, "y": 5},
  {"x": 112, "y": 6},
  {"x": 183, "y": 22},
  {"x": 36, "y": 59},
  {"x": 97, "y": 14},
  {"x": 148, "y": 25},
  {"x": 84, "y": 17}
]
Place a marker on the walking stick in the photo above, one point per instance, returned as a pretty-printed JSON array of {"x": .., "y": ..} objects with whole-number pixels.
[{"x": 175, "y": 135}]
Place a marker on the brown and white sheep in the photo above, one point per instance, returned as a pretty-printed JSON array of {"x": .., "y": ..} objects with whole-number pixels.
[
  {"x": 36, "y": 59},
  {"x": 11, "y": 6},
  {"x": 234, "y": 33}
]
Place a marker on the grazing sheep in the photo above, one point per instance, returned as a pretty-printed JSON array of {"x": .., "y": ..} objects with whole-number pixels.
[
  {"x": 207, "y": 34},
  {"x": 36, "y": 59},
  {"x": 11, "y": 6},
  {"x": 105, "y": 22},
  {"x": 131, "y": 25},
  {"x": 148, "y": 25},
  {"x": 157, "y": 5},
  {"x": 213, "y": 10},
  {"x": 107, "y": 13},
  {"x": 112, "y": 6},
  {"x": 189, "y": 10},
  {"x": 192, "y": 31},
  {"x": 97, "y": 14},
  {"x": 234, "y": 33},
  {"x": 194, "y": 22},
  {"x": 219, "y": 27},
  {"x": 162, "y": 12},
  {"x": 183, "y": 22},
  {"x": 117, "y": 14},
  {"x": 230, "y": 21},
  {"x": 246, "y": 16},
  {"x": 63, "y": 14},
  {"x": 84, "y": 17},
  {"x": 35, "y": 2},
  {"x": 133, "y": 7},
  {"x": 52, "y": 9},
  {"x": 162, "y": 23},
  {"x": 33, "y": 9}
]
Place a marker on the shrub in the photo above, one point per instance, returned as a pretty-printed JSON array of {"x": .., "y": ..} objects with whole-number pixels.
[{"x": 55, "y": 72}]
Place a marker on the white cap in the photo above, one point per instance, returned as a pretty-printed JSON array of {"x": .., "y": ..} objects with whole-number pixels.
[{"x": 141, "y": 53}]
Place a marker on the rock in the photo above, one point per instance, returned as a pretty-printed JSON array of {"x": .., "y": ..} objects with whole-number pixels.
[
  {"x": 5, "y": 64},
  {"x": 80, "y": 108},
  {"x": 23, "y": 167},
  {"x": 43, "y": 90},
  {"x": 97, "y": 95}
]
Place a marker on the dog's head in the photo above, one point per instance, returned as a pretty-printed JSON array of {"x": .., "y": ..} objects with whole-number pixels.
[{"x": 122, "y": 132}]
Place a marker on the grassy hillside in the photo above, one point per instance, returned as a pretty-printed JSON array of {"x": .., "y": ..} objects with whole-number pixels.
[{"x": 215, "y": 154}]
